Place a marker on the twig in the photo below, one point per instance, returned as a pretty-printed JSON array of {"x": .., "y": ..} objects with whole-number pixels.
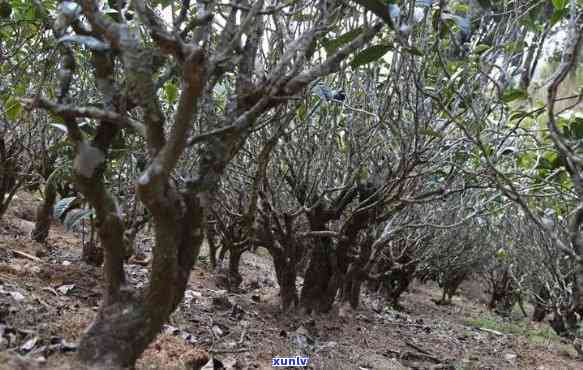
[
  {"x": 345, "y": 105},
  {"x": 238, "y": 350},
  {"x": 70, "y": 111},
  {"x": 26, "y": 255},
  {"x": 491, "y": 331},
  {"x": 416, "y": 347},
  {"x": 404, "y": 324},
  {"x": 242, "y": 338}
]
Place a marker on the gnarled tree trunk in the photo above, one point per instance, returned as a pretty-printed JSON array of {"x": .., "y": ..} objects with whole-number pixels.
[
  {"x": 314, "y": 295},
  {"x": 234, "y": 277},
  {"x": 137, "y": 319},
  {"x": 356, "y": 275},
  {"x": 286, "y": 272}
]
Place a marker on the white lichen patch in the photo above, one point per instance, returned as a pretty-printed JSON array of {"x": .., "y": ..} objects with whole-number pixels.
[
  {"x": 88, "y": 159},
  {"x": 153, "y": 170},
  {"x": 118, "y": 211},
  {"x": 145, "y": 178}
]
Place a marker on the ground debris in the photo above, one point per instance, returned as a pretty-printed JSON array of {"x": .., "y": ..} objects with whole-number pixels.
[{"x": 214, "y": 327}]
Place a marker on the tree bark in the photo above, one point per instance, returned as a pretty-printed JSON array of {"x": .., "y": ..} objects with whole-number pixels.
[
  {"x": 355, "y": 275},
  {"x": 124, "y": 328},
  {"x": 210, "y": 237},
  {"x": 44, "y": 214},
  {"x": 318, "y": 275},
  {"x": 9, "y": 181},
  {"x": 233, "y": 275},
  {"x": 286, "y": 272}
]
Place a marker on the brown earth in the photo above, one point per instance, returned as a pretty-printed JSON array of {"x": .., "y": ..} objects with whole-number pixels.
[{"x": 48, "y": 297}]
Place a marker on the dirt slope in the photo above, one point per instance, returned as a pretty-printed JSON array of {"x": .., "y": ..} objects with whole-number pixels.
[{"x": 48, "y": 297}]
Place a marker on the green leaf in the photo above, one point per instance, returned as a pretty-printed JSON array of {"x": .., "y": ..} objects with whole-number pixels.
[
  {"x": 363, "y": 173},
  {"x": 453, "y": 66},
  {"x": 526, "y": 160},
  {"x": 13, "y": 109},
  {"x": 573, "y": 129},
  {"x": 332, "y": 45},
  {"x": 20, "y": 89},
  {"x": 559, "y": 4},
  {"x": 341, "y": 144},
  {"x": 62, "y": 206},
  {"x": 73, "y": 219},
  {"x": 550, "y": 160},
  {"x": 513, "y": 94},
  {"x": 301, "y": 112},
  {"x": 171, "y": 91},
  {"x": 379, "y": 8},
  {"x": 461, "y": 9},
  {"x": 370, "y": 55},
  {"x": 577, "y": 128},
  {"x": 414, "y": 51},
  {"x": 461, "y": 156},
  {"x": 481, "y": 48},
  {"x": 57, "y": 176},
  {"x": 462, "y": 22},
  {"x": 430, "y": 132},
  {"x": 558, "y": 15},
  {"x": 501, "y": 253},
  {"x": 514, "y": 47},
  {"x": 488, "y": 150}
]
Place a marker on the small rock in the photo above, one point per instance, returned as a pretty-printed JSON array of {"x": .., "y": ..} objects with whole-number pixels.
[
  {"x": 327, "y": 346},
  {"x": 171, "y": 330},
  {"x": 66, "y": 263},
  {"x": 222, "y": 302},
  {"x": 218, "y": 331},
  {"x": 191, "y": 296},
  {"x": 18, "y": 297},
  {"x": 188, "y": 338},
  {"x": 29, "y": 345},
  {"x": 510, "y": 357},
  {"x": 195, "y": 294},
  {"x": 65, "y": 289},
  {"x": 68, "y": 346},
  {"x": 237, "y": 312},
  {"x": 301, "y": 338}
]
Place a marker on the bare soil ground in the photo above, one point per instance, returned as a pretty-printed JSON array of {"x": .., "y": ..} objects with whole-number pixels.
[{"x": 48, "y": 297}]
